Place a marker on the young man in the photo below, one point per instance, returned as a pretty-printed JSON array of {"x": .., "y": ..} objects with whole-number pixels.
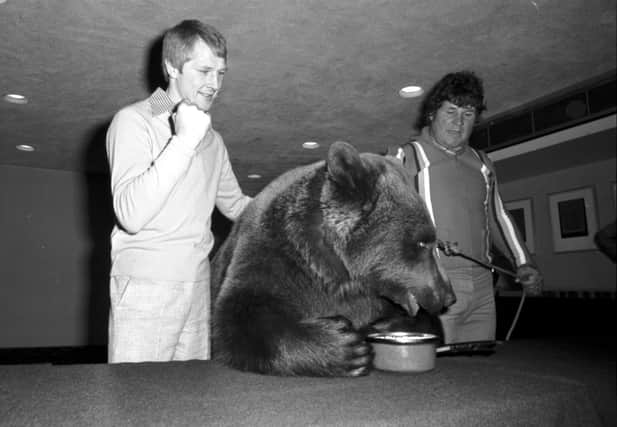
[
  {"x": 459, "y": 187},
  {"x": 169, "y": 168}
]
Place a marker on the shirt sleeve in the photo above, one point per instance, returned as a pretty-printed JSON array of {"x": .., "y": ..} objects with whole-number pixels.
[
  {"x": 505, "y": 236},
  {"x": 229, "y": 197},
  {"x": 405, "y": 154},
  {"x": 141, "y": 178}
]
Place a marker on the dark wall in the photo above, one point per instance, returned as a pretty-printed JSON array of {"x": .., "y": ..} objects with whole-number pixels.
[{"x": 55, "y": 257}]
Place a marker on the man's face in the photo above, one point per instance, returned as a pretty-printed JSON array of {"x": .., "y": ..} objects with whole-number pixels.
[
  {"x": 452, "y": 125},
  {"x": 200, "y": 78}
]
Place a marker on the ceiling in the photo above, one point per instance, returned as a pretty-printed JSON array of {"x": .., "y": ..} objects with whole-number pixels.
[{"x": 312, "y": 70}]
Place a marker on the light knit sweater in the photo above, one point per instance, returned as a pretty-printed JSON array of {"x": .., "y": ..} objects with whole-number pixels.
[{"x": 164, "y": 193}]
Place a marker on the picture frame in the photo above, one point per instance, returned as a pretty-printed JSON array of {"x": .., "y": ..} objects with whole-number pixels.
[
  {"x": 573, "y": 219},
  {"x": 522, "y": 215}
]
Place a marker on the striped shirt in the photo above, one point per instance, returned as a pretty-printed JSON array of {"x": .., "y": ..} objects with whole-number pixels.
[{"x": 461, "y": 193}]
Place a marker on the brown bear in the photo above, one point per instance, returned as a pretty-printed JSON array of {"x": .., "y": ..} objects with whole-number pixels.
[{"x": 325, "y": 254}]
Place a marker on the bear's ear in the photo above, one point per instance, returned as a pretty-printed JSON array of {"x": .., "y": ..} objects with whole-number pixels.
[{"x": 348, "y": 171}]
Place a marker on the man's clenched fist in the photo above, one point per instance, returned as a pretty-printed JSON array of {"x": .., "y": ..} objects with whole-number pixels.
[{"x": 191, "y": 123}]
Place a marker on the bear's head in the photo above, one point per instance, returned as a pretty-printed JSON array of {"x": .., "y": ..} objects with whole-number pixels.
[{"x": 381, "y": 230}]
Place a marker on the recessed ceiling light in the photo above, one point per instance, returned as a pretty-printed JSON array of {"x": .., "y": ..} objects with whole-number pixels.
[
  {"x": 24, "y": 147},
  {"x": 15, "y": 98},
  {"x": 253, "y": 176},
  {"x": 411, "y": 91},
  {"x": 310, "y": 145}
]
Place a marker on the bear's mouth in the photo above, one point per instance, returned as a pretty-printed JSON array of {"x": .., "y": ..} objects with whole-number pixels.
[{"x": 411, "y": 304}]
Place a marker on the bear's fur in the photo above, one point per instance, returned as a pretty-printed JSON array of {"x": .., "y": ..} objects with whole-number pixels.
[{"x": 322, "y": 256}]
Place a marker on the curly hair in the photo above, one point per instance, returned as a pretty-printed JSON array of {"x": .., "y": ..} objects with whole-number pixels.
[
  {"x": 178, "y": 42},
  {"x": 462, "y": 88}
]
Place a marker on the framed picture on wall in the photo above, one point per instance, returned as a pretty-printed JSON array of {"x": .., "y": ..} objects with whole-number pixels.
[
  {"x": 521, "y": 213},
  {"x": 573, "y": 219}
]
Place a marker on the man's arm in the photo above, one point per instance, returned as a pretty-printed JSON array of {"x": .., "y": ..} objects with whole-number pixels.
[
  {"x": 141, "y": 183},
  {"x": 508, "y": 240},
  {"x": 229, "y": 197}
]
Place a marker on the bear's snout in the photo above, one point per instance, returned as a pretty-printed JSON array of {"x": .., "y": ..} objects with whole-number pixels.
[{"x": 438, "y": 295}]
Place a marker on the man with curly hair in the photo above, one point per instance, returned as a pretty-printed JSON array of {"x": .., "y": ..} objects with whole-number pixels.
[{"x": 459, "y": 186}]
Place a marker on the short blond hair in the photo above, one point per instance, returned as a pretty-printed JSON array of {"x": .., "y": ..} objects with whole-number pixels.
[{"x": 178, "y": 42}]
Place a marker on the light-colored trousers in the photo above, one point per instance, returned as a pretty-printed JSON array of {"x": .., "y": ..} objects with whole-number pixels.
[
  {"x": 151, "y": 320},
  {"x": 473, "y": 316}
]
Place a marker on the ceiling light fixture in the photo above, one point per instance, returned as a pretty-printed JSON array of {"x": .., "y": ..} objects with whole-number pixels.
[
  {"x": 253, "y": 176},
  {"x": 15, "y": 98},
  {"x": 24, "y": 147},
  {"x": 411, "y": 92},
  {"x": 310, "y": 145}
]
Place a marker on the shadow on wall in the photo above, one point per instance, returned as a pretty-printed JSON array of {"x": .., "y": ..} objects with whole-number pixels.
[
  {"x": 99, "y": 221},
  {"x": 153, "y": 67}
]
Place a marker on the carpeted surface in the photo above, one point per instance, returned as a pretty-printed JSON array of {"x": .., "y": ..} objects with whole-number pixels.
[{"x": 560, "y": 382}]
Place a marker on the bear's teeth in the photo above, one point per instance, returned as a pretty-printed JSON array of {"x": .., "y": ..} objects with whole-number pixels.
[{"x": 412, "y": 305}]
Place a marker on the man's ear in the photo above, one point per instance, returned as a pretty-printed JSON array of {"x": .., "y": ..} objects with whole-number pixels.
[{"x": 172, "y": 71}]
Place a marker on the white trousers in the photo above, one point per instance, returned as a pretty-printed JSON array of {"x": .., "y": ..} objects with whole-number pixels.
[
  {"x": 473, "y": 316},
  {"x": 158, "y": 321}
]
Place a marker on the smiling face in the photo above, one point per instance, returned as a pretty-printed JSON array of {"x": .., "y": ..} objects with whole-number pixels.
[
  {"x": 452, "y": 125},
  {"x": 199, "y": 79}
]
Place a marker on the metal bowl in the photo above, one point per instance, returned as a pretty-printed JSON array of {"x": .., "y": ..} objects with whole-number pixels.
[{"x": 404, "y": 351}]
